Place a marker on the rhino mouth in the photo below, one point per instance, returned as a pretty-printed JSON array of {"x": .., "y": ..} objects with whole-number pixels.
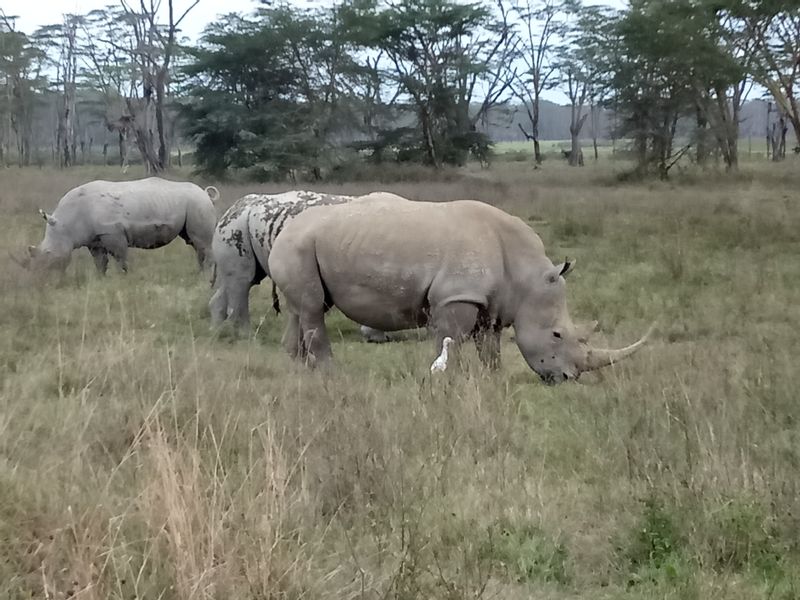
[{"x": 556, "y": 377}]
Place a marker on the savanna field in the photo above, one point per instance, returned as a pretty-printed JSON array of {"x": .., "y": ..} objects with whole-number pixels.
[{"x": 143, "y": 455}]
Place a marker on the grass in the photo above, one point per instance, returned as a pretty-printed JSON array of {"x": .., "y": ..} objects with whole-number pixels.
[{"x": 144, "y": 456}]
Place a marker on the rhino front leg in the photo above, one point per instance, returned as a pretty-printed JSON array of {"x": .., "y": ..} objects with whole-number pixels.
[
  {"x": 487, "y": 339},
  {"x": 116, "y": 244},
  {"x": 454, "y": 319},
  {"x": 488, "y": 344},
  {"x": 100, "y": 257}
]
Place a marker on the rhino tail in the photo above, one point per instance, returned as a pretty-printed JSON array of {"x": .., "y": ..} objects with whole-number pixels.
[
  {"x": 276, "y": 303},
  {"x": 213, "y": 193}
]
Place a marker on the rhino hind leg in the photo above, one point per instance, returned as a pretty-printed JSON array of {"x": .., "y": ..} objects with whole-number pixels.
[
  {"x": 218, "y": 306},
  {"x": 291, "y": 340}
]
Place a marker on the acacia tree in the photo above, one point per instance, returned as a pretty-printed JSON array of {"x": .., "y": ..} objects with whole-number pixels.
[
  {"x": 775, "y": 29},
  {"x": 580, "y": 70},
  {"x": 439, "y": 54},
  {"x": 60, "y": 43},
  {"x": 130, "y": 54},
  {"x": 20, "y": 76},
  {"x": 542, "y": 24}
]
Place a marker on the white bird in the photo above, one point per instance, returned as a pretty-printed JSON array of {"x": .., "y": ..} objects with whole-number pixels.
[{"x": 440, "y": 364}]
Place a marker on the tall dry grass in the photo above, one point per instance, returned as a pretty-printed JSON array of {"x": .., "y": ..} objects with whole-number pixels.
[{"x": 144, "y": 456}]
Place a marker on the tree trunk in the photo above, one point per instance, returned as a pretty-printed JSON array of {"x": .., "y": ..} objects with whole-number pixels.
[
  {"x": 123, "y": 148},
  {"x": 537, "y": 152},
  {"x": 702, "y": 127},
  {"x": 427, "y": 134},
  {"x": 162, "y": 138},
  {"x": 576, "y": 155},
  {"x": 594, "y": 123}
]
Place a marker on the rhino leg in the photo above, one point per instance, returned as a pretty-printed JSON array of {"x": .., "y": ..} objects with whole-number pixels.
[
  {"x": 238, "y": 296},
  {"x": 488, "y": 344},
  {"x": 116, "y": 244},
  {"x": 316, "y": 344},
  {"x": 291, "y": 338},
  {"x": 100, "y": 257},
  {"x": 456, "y": 320},
  {"x": 487, "y": 340},
  {"x": 218, "y": 306}
]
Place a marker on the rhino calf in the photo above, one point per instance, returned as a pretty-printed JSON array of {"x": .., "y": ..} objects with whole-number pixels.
[
  {"x": 108, "y": 217},
  {"x": 241, "y": 246}
]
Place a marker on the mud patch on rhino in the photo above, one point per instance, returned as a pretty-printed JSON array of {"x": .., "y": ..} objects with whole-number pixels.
[
  {"x": 236, "y": 239},
  {"x": 237, "y": 209}
]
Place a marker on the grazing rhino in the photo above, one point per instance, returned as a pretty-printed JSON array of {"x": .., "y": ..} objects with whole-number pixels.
[
  {"x": 241, "y": 247},
  {"x": 463, "y": 268},
  {"x": 108, "y": 217}
]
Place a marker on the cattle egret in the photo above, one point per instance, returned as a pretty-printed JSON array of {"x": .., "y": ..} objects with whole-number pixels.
[{"x": 440, "y": 364}]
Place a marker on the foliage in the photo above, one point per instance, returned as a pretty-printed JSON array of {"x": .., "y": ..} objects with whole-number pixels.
[{"x": 267, "y": 94}]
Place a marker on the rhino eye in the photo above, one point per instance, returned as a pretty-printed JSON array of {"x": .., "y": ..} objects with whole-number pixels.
[{"x": 556, "y": 334}]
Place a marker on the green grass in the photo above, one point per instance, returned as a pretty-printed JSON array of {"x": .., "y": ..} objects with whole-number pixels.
[{"x": 142, "y": 455}]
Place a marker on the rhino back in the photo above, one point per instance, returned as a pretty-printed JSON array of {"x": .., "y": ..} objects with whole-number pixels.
[{"x": 268, "y": 215}]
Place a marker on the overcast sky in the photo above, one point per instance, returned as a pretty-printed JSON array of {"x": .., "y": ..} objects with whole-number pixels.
[{"x": 35, "y": 13}]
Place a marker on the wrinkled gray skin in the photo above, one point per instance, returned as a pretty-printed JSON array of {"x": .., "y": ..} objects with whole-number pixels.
[
  {"x": 241, "y": 247},
  {"x": 463, "y": 268},
  {"x": 109, "y": 217}
]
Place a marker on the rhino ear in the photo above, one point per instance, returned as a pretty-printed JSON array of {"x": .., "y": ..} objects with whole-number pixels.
[
  {"x": 33, "y": 251},
  {"x": 560, "y": 270},
  {"x": 49, "y": 218}
]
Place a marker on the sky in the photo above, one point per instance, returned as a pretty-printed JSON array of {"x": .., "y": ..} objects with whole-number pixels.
[{"x": 36, "y": 13}]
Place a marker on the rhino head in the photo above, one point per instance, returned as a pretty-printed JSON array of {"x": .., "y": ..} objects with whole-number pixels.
[
  {"x": 552, "y": 345},
  {"x": 52, "y": 253}
]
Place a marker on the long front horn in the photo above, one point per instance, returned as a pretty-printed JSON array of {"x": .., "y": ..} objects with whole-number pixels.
[{"x": 598, "y": 358}]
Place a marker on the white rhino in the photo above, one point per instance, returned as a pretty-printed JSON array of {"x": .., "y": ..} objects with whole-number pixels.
[
  {"x": 463, "y": 268},
  {"x": 241, "y": 247},
  {"x": 108, "y": 217}
]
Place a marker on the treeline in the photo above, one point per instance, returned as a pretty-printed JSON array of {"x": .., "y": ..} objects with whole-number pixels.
[{"x": 290, "y": 91}]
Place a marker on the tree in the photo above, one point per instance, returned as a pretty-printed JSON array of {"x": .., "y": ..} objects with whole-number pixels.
[
  {"x": 439, "y": 53},
  {"x": 580, "y": 69},
  {"x": 657, "y": 70},
  {"x": 270, "y": 94},
  {"x": 774, "y": 27},
  {"x": 20, "y": 69},
  {"x": 60, "y": 43},
  {"x": 542, "y": 24}
]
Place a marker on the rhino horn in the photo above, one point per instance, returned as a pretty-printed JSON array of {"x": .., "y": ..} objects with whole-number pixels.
[{"x": 598, "y": 358}]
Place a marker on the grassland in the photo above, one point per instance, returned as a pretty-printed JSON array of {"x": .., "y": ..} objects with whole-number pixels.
[{"x": 144, "y": 456}]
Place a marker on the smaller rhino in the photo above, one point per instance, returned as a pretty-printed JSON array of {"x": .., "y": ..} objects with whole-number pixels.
[{"x": 108, "y": 217}]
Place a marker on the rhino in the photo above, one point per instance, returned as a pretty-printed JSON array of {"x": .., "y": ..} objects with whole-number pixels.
[
  {"x": 108, "y": 217},
  {"x": 241, "y": 247},
  {"x": 462, "y": 268}
]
